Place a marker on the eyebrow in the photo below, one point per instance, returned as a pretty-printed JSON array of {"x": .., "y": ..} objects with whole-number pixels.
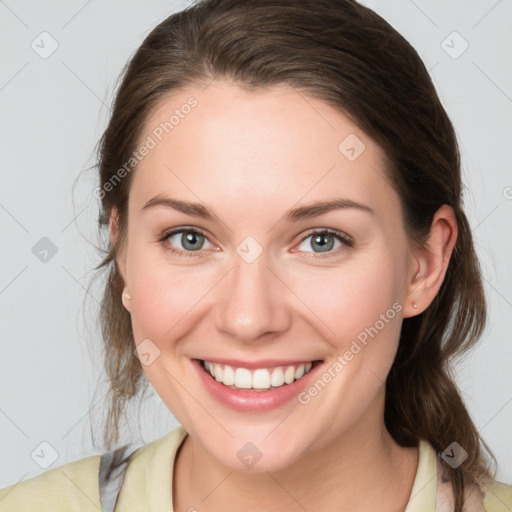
[{"x": 293, "y": 215}]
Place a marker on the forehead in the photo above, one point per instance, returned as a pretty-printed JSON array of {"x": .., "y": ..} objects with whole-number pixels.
[{"x": 271, "y": 146}]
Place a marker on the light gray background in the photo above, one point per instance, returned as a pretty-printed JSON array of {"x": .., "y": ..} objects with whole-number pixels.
[{"x": 53, "y": 112}]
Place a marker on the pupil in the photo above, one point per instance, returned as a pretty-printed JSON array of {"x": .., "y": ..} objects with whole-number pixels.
[
  {"x": 190, "y": 241},
  {"x": 323, "y": 244}
]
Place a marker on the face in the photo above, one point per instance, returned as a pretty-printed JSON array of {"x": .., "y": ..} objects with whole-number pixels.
[{"x": 256, "y": 280}]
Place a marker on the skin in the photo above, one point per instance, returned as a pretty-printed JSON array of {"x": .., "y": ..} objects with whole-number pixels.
[{"x": 250, "y": 156}]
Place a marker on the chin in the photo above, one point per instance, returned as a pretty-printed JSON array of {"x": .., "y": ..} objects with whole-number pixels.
[{"x": 255, "y": 456}]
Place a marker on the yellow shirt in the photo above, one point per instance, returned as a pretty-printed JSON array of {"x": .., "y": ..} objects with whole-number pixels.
[{"x": 147, "y": 484}]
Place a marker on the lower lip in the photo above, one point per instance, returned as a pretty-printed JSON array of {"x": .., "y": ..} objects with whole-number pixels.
[{"x": 253, "y": 401}]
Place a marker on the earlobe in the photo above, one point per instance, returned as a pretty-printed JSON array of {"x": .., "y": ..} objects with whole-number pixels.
[
  {"x": 125, "y": 298},
  {"x": 431, "y": 262}
]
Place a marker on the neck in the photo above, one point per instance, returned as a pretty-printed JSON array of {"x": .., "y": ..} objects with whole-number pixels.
[{"x": 362, "y": 469}]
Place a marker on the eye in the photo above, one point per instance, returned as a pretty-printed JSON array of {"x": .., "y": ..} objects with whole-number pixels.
[
  {"x": 190, "y": 242},
  {"x": 324, "y": 241},
  {"x": 184, "y": 241}
]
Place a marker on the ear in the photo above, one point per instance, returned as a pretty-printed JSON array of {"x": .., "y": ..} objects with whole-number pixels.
[
  {"x": 430, "y": 262},
  {"x": 114, "y": 233}
]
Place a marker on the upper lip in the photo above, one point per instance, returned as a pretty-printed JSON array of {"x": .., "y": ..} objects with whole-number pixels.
[{"x": 262, "y": 363}]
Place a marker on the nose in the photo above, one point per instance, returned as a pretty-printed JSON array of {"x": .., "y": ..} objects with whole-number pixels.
[{"x": 254, "y": 302}]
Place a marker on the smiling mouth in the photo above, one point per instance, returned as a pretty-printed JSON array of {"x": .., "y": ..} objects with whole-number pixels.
[{"x": 258, "y": 379}]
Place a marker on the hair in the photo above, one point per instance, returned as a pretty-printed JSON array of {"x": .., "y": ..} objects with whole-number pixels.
[{"x": 346, "y": 55}]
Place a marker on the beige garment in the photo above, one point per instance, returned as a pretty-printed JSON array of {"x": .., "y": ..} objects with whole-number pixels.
[{"x": 146, "y": 487}]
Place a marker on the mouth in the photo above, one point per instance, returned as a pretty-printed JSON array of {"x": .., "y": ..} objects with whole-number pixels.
[
  {"x": 258, "y": 379},
  {"x": 255, "y": 389}
]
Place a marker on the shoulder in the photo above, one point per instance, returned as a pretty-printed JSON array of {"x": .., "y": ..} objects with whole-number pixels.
[
  {"x": 497, "y": 496},
  {"x": 73, "y": 486},
  {"x": 485, "y": 495},
  {"x": 489, "y": 496},
  {"x": 76, "y": 485}
]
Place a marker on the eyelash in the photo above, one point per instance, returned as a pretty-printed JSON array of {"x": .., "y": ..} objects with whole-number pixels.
[{"x": 344, "y": 239}]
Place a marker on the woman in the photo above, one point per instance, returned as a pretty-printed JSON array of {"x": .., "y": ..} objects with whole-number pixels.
[{"x": 290, "y": 259}]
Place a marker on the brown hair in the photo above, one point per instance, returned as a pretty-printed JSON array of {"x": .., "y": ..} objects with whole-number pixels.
[{"x": 347, "y": 55}]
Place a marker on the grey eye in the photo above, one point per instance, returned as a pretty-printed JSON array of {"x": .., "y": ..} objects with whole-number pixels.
[
  {"x": 321, "y": 242},
  {"x": 190, "y": 240}
]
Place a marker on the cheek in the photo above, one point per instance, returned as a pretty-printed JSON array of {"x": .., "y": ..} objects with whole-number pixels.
[
  {"x": 165, "y": 304},
  {"x": 163, "y": 297},
  {"x": 348, "y": 300},
  {"x": 358, "y": 311},
  {"x": 162, "y": 294}
]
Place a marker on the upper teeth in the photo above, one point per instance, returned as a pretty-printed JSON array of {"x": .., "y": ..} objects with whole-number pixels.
[{"x": 261, "y": 378}]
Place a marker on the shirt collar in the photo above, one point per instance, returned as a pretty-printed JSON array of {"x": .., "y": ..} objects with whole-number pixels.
[
  {"x": 423, "y": 494},
  {"x": 149, "y": 477}
]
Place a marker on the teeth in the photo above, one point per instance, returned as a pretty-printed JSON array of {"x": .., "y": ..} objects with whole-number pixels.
[
  {"x": 299, "y": 372},
  {"x": 228, "y": 376},
  {"x": 277, "y": 378},
  {"x": 243, "y": 379},
  {"x": 261, "y": 379},
  {"x": 289, "y": 375}
]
